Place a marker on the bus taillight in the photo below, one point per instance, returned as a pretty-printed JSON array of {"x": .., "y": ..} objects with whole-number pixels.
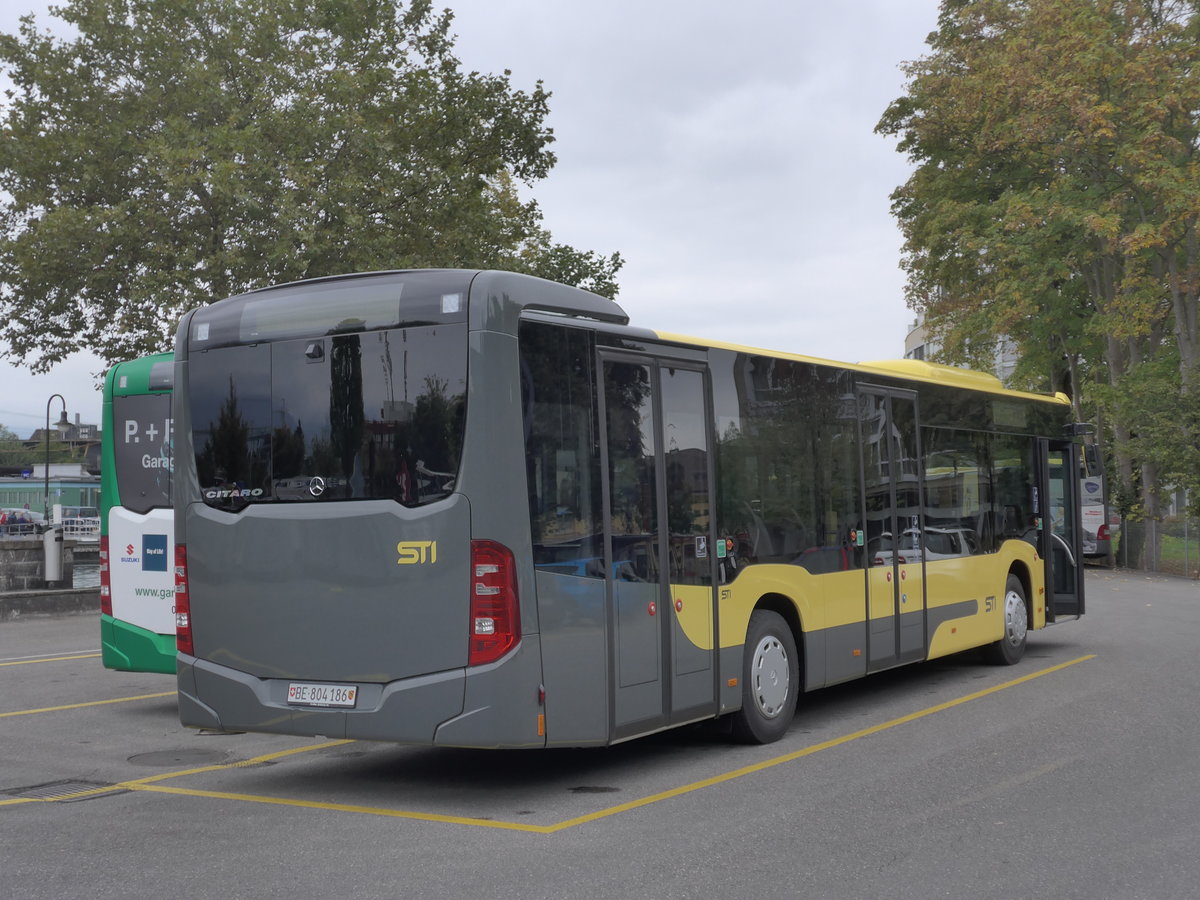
[
  {"x": 183, "y": 606},
  {"x": 105, "y": 579},
  {"x": 495, "y": 610}
]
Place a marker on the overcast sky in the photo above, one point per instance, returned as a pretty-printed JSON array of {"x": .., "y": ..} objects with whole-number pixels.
[{"x": 727, "y": 151}]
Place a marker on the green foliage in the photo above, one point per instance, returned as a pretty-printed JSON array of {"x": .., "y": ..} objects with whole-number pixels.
[
  {"x": 178, "y": 151},
  {"x": 1055, "y": 199},
  {"x": 19, "y": 454},
  {"x": 1165, "y": 422}
]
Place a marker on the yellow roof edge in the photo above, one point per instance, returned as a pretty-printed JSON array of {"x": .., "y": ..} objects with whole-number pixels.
[
  {"x": 914, "y": 369},
  {"x": 937, "y": 373},
  {"x": 929, "y": 371}
]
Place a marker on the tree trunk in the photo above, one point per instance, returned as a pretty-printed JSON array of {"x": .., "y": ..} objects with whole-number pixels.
[
  {"x": 1126, "y": 484},
  {"x": 1184, "y": 303},
  {"x": 1152, "y": 517}
]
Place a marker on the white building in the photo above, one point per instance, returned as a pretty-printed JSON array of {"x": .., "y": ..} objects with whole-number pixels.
[{"x": 919, "y": 344}]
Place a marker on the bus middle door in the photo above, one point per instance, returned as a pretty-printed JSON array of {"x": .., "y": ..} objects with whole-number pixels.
[{"x": 895, "y": 526}]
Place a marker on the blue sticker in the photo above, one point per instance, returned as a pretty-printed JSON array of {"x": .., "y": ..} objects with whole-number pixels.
[{"x": 154, "y": 553}]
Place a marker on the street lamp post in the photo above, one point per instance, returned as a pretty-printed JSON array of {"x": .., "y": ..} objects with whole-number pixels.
[{"x": 62, "y": 420}]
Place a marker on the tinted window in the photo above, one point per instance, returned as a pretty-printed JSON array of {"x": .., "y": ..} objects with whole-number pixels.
[
  {"x": 633, "y": 482},
  {"x": 143, "y": 451},
  {"x": 958, "y": 492},
  {"x": 562, "y": 456},
  {"x": 685, "y": 467},
  {"x": 376, "y": 415},
  {"x": 788, "y": 466},
  {"x": 1013, "y": 475},
  {"x": 231, "y": 424}
]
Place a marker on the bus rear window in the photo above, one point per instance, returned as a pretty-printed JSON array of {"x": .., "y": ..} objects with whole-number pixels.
[
  {"x": 374, "y": 415},
  {"x": 143, "y": 451}
]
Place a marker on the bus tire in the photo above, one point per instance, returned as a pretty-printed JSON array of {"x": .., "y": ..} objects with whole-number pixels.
[
  {"x": 770, "y": 680},
  {"x": 1009, "y": 649}
]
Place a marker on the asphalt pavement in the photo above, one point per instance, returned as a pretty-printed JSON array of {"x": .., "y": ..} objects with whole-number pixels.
[{"x": 1073, "y": 774}]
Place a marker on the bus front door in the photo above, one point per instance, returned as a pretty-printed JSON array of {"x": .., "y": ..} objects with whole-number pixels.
[
  {"x": 895, "y": 542},
  {"x": 658, "y": 539},
  {"x": 1060, "y": 543}
]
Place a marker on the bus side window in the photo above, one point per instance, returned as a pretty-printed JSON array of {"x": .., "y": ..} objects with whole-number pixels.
[
  {"x": 562, "y": 455},
  {"x": 789, "y": 473},
  {"x": 958, "y": 493}
]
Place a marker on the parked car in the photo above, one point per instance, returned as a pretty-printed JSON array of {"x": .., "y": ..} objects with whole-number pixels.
[
  {"x": 1098, "y": 535},
  {"x": 939, "y": 543}
]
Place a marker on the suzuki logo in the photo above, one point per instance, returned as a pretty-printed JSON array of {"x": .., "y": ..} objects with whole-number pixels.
[{"x": 129, "y": 549}]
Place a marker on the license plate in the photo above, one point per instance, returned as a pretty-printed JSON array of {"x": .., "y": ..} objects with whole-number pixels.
[{"x": 301, "y": 693}]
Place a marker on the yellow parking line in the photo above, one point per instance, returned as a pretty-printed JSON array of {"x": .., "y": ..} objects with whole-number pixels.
[
  {"x": 46, "y": 659},
  {"x": 46, "y": 709},
  {"x": 245, "y": 763},
  {"x": 142, "y": 783},
  {"x": 152, "y": 783},
  {"x": 343, "y": 807},
  {"x": 809, "y": 751}
]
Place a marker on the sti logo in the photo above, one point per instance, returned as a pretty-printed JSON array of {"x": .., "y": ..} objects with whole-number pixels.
[
  {"x": 154, "y": 553},
  {"x": 416, "y": 552}
]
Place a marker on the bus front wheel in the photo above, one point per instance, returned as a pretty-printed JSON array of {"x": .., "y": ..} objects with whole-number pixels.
[
  {"x": 770, "y": 680},
  {"x": 1011, "y": 647}
]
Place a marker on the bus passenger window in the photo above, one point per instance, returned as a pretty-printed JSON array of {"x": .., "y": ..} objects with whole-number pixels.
[
  {"x": 789, "y": 486},
  {"x": 1013, "y": 477},
  {"x": 958, "y": 494},
  {"x": 562, "y": 456}
]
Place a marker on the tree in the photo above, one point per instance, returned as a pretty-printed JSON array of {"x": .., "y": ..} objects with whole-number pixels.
[
  {"x": 176, "y": 152},
  {"x": 1055, "y": 199},
  {"x": 17, "y": 453}
]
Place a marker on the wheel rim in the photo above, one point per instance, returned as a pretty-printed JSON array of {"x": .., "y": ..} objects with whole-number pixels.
[
  {"x": 771, "y": 676},
  {"x": 1016, "y": 621}
]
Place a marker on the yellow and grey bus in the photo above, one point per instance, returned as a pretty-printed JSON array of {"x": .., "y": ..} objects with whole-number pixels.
[{"x": 479, "y": 509}]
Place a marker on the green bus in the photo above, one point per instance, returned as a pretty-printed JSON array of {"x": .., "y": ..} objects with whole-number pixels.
[
  {"x": 137, "y": 579},
  {"x": 480, "y": 509}
]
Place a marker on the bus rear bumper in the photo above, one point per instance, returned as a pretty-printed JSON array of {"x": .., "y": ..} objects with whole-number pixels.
[
  {"x": 406, "y": 711},
  {"x": 128, "y": 648},
  {"x": 502, "y": 703}
]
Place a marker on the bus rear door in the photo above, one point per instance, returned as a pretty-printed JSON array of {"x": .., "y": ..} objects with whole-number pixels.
[{"x": 658, "y": 544}]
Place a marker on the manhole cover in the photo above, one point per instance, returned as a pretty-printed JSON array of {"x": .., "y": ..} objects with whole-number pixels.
[{"x": 190, "y": 757}]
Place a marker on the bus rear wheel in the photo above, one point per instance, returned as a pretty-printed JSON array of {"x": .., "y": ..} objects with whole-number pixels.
[
  {"x": 1009, "y": 649},
  {"x": 770, "y": 680}
]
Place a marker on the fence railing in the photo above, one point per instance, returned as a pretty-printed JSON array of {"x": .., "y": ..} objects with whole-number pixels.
[
  {"x": 85, "y": 529},
  {"x": 1169, "y": 546},
  {"x": 20, "y": 529}
]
